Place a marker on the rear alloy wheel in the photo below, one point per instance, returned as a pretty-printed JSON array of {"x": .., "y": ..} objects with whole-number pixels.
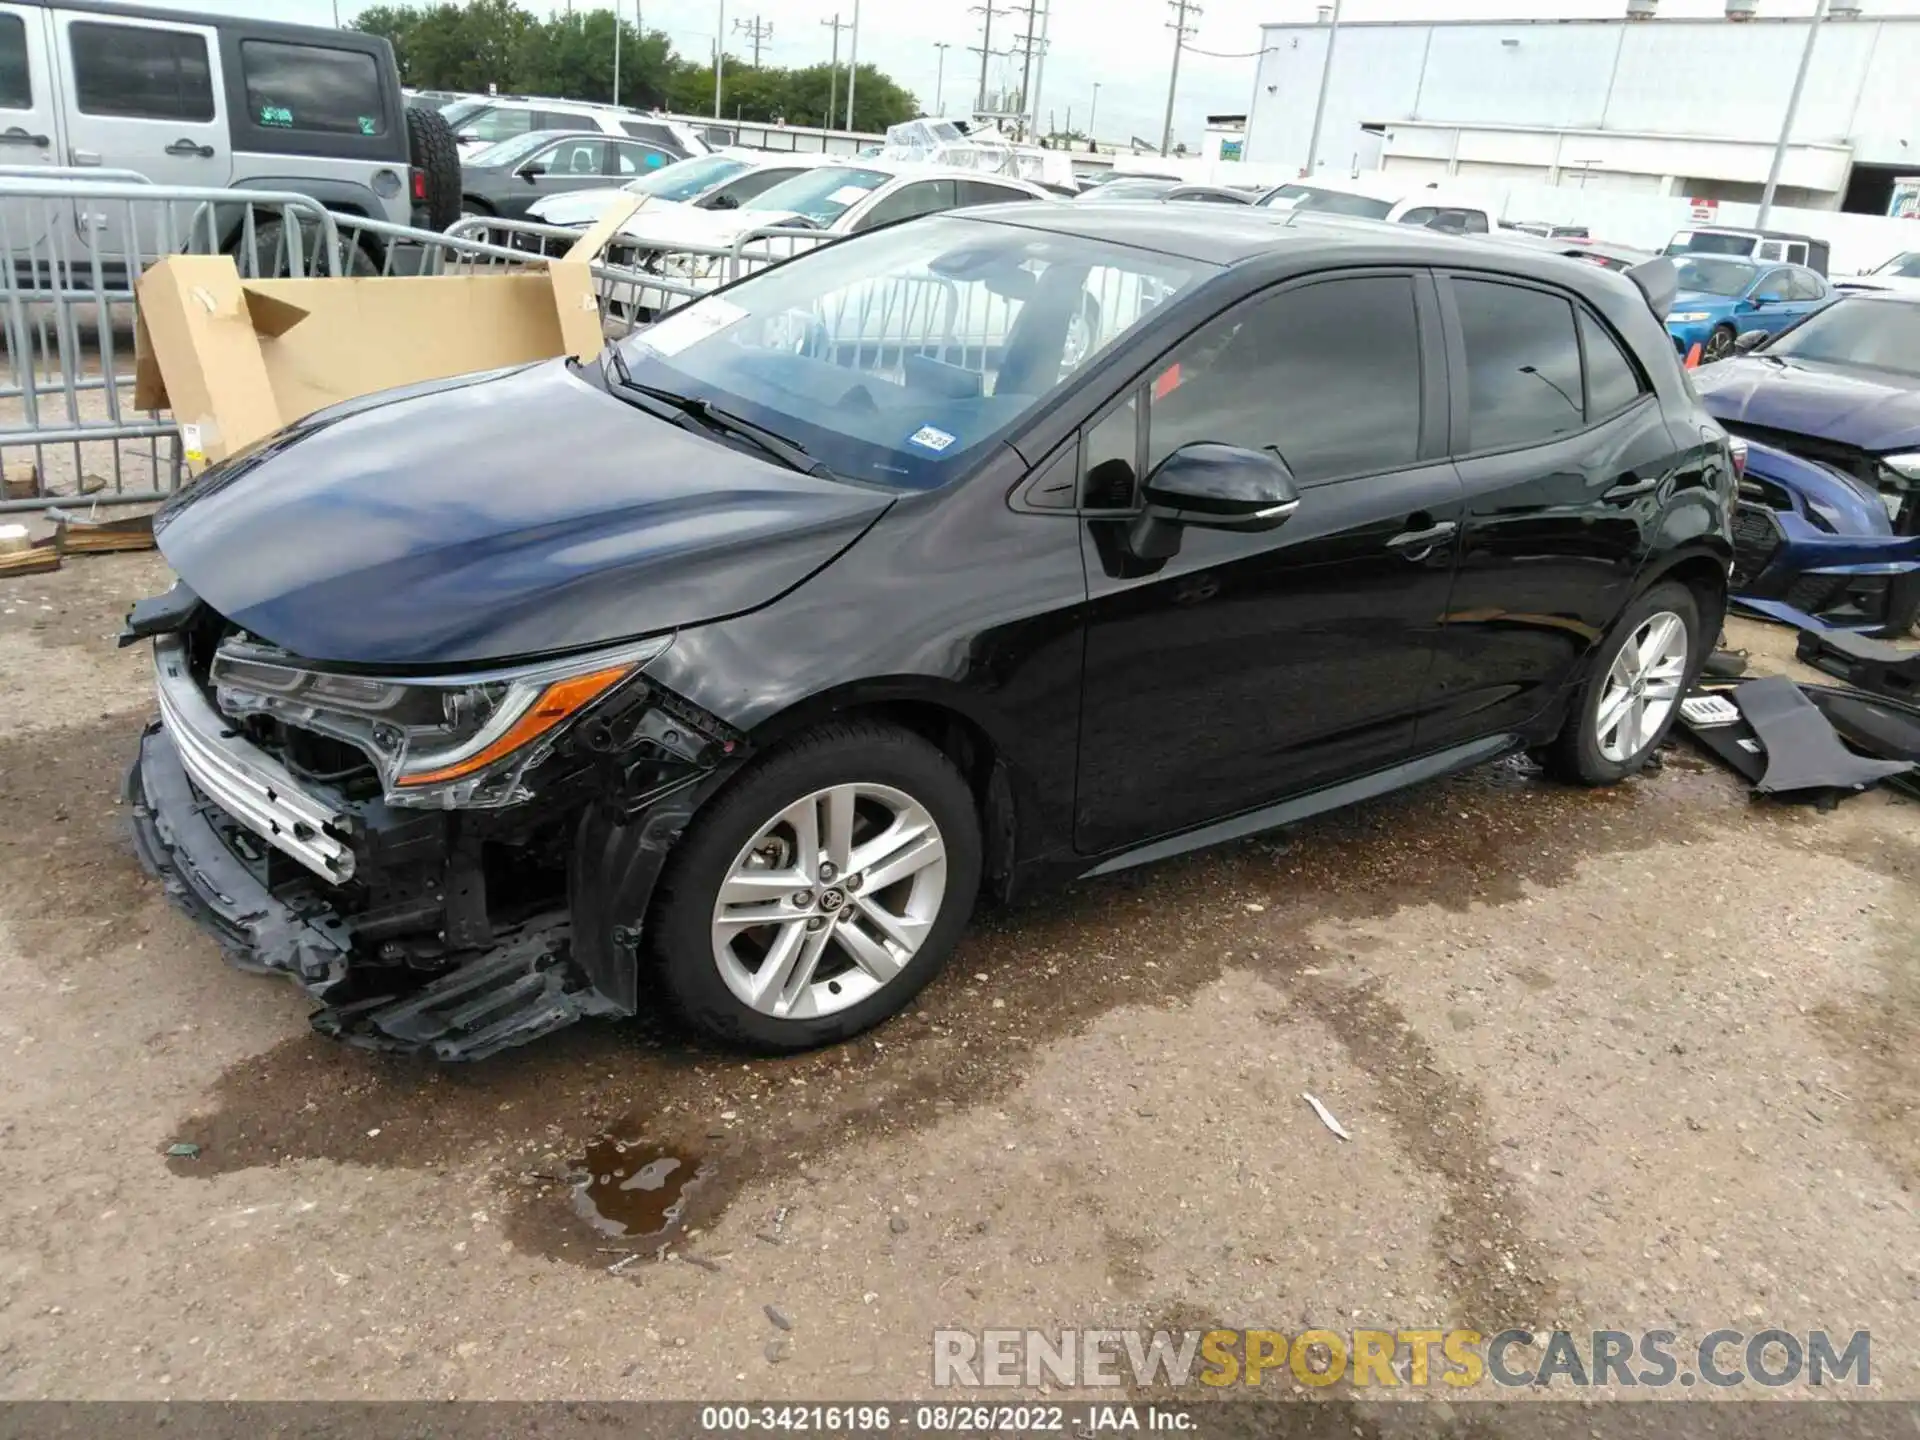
[
  {"x": 1632, "y": 695},
  {"x": 1719, "y": 344},
  {"x": 822, "y": 890}
]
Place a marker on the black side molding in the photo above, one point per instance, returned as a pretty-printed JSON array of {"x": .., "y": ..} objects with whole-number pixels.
[
  {"x": 160, "y": 615},
  {"x": 1288, "y": 812}
]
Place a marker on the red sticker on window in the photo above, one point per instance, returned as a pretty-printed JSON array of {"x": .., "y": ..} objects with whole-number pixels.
[{"x": 1168, "y": 382}]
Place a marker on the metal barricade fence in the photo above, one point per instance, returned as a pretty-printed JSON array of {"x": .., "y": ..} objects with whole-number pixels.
[{"x": 76, "y": 244}]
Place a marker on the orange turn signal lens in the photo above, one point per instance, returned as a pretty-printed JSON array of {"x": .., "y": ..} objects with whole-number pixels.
[{"x": 557, "y": 702}]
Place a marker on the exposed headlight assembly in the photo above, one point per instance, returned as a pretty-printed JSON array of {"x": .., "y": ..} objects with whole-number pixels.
[
  {"x": 1689, "y": 317},
  {"x": 437, "y": 742}
]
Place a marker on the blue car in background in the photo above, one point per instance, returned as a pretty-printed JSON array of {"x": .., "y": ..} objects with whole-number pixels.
[
  {"x": 1827, "y": 528},
  {"x": 1723, "y": 297}
]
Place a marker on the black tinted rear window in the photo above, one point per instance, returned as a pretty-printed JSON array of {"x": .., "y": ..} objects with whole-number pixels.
[
  {"x": 16, "y": 84},
  {"x": 312, "y": 87},
  {"x": 141, "y": 71}
]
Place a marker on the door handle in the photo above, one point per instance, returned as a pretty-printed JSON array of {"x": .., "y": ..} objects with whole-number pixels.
[
  {"x": 189, "y": 147},
  {"x": 84, "y": 157},
  {"x": 1631, "y": 490},
  {"x": 16, "y": 136},
  {"x": 1415, "y": 544}
]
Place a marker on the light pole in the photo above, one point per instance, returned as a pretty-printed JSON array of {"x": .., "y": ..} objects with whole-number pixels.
[
  {"x": 616, "y": 52},
  {"x": 719, "y": 56},
  {"x": 1092, "y": 110},
  {"x": 940, "y": 78},
  {"x": 1793, "y": 110},
  {"x": 853, "y": 60},
  {"x": 1320, "y": 105}
]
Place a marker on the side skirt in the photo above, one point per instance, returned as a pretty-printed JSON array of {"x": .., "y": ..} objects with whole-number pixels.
[{"x": 1316, "y": 802}]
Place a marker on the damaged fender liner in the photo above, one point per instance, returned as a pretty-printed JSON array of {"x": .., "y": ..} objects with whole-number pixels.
[{"x": 522, "y": 988}]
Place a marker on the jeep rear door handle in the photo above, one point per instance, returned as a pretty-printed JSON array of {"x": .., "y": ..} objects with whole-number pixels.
[
  {"x": 189, "y": 147},
  {"x": 1414, "y": 544}
]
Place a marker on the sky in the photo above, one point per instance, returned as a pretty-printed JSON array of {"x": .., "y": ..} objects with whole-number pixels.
[{"x": 1125, "y": 47}]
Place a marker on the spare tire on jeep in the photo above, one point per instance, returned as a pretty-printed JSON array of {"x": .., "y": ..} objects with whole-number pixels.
[{"x": 435, "y": 157}]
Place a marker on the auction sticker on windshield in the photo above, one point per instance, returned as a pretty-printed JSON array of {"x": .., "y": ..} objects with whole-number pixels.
[
  {"x": 847, "y": 194},
  {"x": 690, "y": 326},
  {"x": 928, "y": 438}
]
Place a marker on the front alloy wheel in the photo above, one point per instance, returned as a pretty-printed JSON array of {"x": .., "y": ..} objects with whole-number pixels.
[
  {"x": 819, "y": 890},
  {"x": 1719, "y": 345},
  {"x": 830, "y": 901}
]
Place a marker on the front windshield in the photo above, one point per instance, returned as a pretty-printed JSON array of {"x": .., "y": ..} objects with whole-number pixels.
[
  {"x": 1904, "y": 267},
  {"x": 1883, "y": 334},
  {"x": 821, "y": 195},
  {"x": 687, "y": 179},
  {"x": 505, "y": 152},
  {"x": 899, "y": 355},
  {"x": 1328, "y": 202},
  {"x": 455, "y": 111},
  {"x": 1714, "y": 276}
]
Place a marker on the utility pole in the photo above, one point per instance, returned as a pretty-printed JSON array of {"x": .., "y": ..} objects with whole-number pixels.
[
  {"x": 940, "y": 78},
  {"x": 1092, "y": 110},
  {"x": 616, "y": 52},
  {"x": 833, "y": 67},
  {"x": 1040, "y": 62},
  {"x": 1030, "y": 119},
  {"x": 756, "y": 30},
  {"x": 719, "y": 56},
  {"x": 1793, "y": 111},
  {"x": 985, "y": 47},
  {"x": 1320, "y": 105},
  {"x": 1180, "y": 28},
  {"x": 853, "y": 61}
]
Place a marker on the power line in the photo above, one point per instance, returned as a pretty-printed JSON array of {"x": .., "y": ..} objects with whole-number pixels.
[
  {"x": 985, "y": 48},
  {"x": 1230, "y": 54},
  {"x": 756, "y": 30},
  {"x": 1181, "y": 29}
]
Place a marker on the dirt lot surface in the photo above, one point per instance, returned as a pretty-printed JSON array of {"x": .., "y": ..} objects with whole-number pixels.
[{"x": 1630, "y": 1059}]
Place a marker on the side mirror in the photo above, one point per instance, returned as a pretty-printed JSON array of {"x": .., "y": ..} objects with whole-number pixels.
[
  {"x": 467, "y": 137},
  {"x": 1748, "y": 340},
  {"x": 1217, "y": 487},
  {"x": 532, "y": 170},
  {"x": 1770, "y": 297}
]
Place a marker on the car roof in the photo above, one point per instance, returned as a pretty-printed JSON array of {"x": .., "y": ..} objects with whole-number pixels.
[
  {"x": 1228, "y": 235},
  {"x": 1743, "y": 230}
]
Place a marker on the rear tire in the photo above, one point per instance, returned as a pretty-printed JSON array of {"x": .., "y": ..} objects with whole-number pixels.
[
  {"x": 433, "y": 151},
  {"x": 270, "y": 259},
  {"x": 843, "y": 947},
  {"x": 1629, "y": 701}
]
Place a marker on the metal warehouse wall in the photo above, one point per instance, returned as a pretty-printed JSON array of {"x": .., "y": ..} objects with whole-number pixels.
[{"x": 1673, "y": 77}]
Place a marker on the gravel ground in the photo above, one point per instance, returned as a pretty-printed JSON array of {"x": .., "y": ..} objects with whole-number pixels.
[{"x": 1642, "y": 1058}]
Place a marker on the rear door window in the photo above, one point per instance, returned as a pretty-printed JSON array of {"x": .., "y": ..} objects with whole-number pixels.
[
  {"x": 1808, "y": 286},
  {"x": 923, "y": 197},
  {"x": 985, "y": 192},
  {"x": 140, "y": 72},
  {"x": 312, "y": 87},
  {"x": 566, "y": 120},
  {"x": 1523, "y": 365},
  {"x": 493, "y": 125},
  {"x": 16, "y": 77},
  {"x": 631, "y": 158}
]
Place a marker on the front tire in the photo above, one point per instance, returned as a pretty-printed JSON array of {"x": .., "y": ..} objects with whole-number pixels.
[
  {"x": 821, "y": 892},
  {"x": 1719, "y": 344},
  {"x": 1632, "y": 694}
]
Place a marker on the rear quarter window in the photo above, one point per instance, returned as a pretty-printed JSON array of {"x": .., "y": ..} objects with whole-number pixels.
[{"x": 315, "y": 88}]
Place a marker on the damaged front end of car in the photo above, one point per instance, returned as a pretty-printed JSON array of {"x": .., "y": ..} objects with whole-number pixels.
[
  {"x": 409, "y": 848},
  {"x": 1818, "y": 547}
]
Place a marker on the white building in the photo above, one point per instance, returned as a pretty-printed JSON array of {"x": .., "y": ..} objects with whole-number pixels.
[{"x": 1685, "y": 108}]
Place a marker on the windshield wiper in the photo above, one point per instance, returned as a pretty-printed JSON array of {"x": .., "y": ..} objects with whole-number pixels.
[{"x": 790, "y": 453}]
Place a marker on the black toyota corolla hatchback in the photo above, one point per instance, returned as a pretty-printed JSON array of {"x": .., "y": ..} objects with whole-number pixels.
[{"x": 1023, "y": 544}]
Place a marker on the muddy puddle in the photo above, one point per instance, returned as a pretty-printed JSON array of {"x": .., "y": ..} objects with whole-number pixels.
[{"x": 637, "y": 1192}]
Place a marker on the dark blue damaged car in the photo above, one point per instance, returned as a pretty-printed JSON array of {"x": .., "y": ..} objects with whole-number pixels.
[{"x": 1828, "y": 523}]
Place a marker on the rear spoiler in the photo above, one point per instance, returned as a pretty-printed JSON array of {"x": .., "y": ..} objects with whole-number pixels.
[{"x": 1659, "y": 282}]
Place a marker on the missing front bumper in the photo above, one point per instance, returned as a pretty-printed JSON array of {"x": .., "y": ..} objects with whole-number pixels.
[{"x": 523, "y": 987}]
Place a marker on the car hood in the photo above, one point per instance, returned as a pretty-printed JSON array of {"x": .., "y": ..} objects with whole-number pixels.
[
  {"x": 583, "y": 207},
  {"x": 1876, "y": 410},
  {"x": 691, "y": 225},
  {"x": 496, "y": 517}
]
